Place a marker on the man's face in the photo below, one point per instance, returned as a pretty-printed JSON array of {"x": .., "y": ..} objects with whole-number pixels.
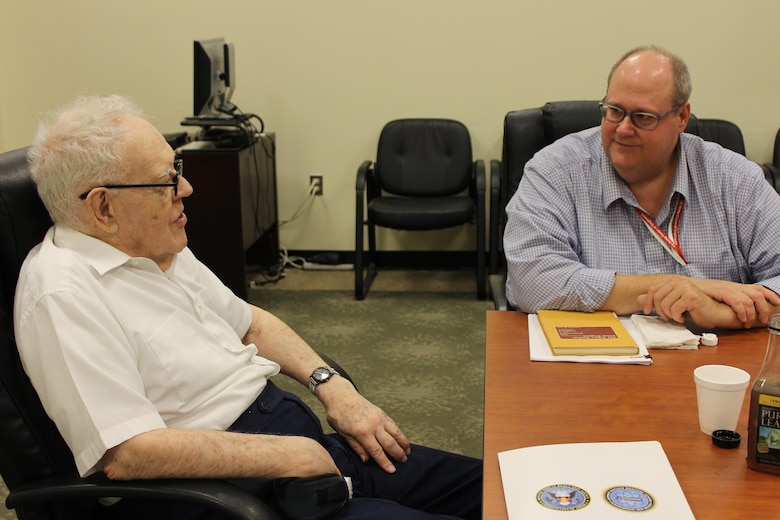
[
  {"x": 642, "y": 83},
  {"x": 150, "y": 221}
]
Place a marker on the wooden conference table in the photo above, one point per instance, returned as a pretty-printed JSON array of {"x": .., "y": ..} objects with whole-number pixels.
[{"x": 529, "y": 403}]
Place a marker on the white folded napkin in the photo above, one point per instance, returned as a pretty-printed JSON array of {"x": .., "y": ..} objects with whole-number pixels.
[{"x": 659, "y": 333}]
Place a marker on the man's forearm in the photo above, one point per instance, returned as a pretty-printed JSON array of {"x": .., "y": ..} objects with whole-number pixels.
[
  {"x": 177, "y": 453},
  {"x": 623, "y": 299},
  {"x": 706, "y": 303},
  {"x": 279, "y": 343}
]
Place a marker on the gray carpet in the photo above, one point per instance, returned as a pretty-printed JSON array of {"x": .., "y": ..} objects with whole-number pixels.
[{"x": 420, "y": 356}]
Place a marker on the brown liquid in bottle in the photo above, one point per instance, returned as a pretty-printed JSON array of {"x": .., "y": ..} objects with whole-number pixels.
[{"x": 763, "y": 452}]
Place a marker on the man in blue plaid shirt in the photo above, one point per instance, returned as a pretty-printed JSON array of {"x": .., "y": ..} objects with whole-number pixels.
[{"x": 637, "y": 216}]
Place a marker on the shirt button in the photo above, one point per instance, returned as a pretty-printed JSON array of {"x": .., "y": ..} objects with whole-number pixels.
[{"x": 263, "y": 406}]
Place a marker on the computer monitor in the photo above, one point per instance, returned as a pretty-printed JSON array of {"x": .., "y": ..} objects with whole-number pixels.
[{"x": 214, "y": 77}]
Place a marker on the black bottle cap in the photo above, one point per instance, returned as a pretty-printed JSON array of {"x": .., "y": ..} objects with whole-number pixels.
[{"x": 726, "y": 439}]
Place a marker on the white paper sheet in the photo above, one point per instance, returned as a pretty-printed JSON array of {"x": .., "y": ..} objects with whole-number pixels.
[
  {"x": 540, "y": 349},
  {"x": 604, "y": 480}
]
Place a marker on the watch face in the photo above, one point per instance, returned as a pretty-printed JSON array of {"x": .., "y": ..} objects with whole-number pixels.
[{"x": 321, "y": 374}]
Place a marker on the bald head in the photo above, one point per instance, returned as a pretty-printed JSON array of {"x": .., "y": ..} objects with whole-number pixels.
[{"x": 653, "y": 63}]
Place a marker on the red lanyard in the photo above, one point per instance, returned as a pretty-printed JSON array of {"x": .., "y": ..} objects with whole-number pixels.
[{"x": 671, "y": 242}]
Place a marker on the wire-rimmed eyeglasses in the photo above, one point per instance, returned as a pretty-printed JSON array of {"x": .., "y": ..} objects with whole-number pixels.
[
  {"x": 178, "y": 166},
  {"x": 642, "y": 120}
]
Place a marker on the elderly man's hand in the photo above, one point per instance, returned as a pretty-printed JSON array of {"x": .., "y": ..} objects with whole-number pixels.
[{"x": 367, "y": 428}]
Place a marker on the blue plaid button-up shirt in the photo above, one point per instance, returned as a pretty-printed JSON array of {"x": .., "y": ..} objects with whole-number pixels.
[{"x": 571, "y": 225}]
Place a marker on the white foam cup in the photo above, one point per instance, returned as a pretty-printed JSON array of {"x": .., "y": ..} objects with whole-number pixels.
[{"x": 720, "y": 390}]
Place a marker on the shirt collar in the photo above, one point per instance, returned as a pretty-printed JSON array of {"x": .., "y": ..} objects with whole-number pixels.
[
  {"x": 100, "y": 255},
  {"x": 614, "y": 188}
]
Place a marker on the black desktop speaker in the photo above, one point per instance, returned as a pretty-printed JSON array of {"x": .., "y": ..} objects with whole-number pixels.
[{"x": 232, "y": 139}]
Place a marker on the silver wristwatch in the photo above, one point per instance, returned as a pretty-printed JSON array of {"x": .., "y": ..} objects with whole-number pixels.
[{"x": 319, "y": 376}]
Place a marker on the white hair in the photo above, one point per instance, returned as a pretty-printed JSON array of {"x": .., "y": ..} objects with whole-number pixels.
[{"x": 78, "y": 147}]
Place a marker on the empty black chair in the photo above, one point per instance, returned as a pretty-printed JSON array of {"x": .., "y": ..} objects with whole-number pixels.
[
  {"x": 528, "y": 131},
  {"x": 424, "y": 178},
  {"x": 772, "y": 170}
]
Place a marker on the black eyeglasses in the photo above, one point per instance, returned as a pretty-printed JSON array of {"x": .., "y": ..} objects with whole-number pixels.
[
  {"x": 642, "y": 120},
  {"x": 178, "y": 166}
]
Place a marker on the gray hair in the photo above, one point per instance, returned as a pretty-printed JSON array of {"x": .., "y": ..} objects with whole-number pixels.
[
  {"x": 78, "y": 147},
  {"x": 681, "y": 89}
]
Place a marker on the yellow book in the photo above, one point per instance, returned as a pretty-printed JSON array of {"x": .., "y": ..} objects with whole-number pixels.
[{"x": 597, "y": 333}]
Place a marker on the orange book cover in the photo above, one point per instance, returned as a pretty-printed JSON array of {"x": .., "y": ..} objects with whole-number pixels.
[{"x": 586, "y": 333}]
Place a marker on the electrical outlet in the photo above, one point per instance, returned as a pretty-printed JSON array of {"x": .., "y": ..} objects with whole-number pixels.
[{"x": 315, "y": 179}]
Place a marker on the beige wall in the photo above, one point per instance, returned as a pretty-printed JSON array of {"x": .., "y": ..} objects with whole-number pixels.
[{"x": 325, "y": 75}]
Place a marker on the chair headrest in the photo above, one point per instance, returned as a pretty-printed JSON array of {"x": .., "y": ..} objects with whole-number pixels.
[
  {"x": 23, "y": 219},
  {"x": 562, "y": 118}
]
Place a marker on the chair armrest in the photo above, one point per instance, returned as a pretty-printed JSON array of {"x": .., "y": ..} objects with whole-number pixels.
[
  {"x": 362, "y": 177},
  {"x": 495, "y": 215},
  {"x": 495, "y": 178},
  {"x": 479, "y": 176},
  {"x": 342, "y": 372},
  {"x": 366, "y": 187},
  {"x": 478, "y": 183},
  {"x": 217, "y": 495},
  {"x": 498, "y": 291}
]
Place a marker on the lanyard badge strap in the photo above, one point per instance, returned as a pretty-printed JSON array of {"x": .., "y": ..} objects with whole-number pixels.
[{"x": 670, "y": 241}]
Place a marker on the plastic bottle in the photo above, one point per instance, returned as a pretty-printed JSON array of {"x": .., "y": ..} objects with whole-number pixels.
[{"x": 764, "y": 423}]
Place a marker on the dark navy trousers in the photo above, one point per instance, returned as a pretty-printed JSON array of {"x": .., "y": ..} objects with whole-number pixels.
[{"x": 432, "y": 484}]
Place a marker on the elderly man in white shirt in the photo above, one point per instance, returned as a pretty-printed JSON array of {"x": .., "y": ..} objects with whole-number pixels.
[{"x": 145, "y": 361}]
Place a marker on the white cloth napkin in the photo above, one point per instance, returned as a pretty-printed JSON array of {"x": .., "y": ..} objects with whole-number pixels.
[{"x": 658, "y": 333}]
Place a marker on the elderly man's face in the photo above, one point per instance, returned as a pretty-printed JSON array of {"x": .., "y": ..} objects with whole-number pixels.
[
  {"x": 642, "y": 83},
  {"x": 150, "y": 220}
]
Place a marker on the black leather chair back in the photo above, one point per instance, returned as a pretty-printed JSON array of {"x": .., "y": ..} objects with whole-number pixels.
[
  {"x": 725, "y": 133},
  {"x": 776, "y": 152},
  {"x": 424, "y": 158},
  {"x": 23, "y": 219},
  {"x": 31, "y": 446},
  {"x": 528, "y": 131},
  {"x": 772, "y": 170}
]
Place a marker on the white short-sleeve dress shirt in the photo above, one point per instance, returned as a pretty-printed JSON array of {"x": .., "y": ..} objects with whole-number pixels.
[{"x": 116, "y": 347}]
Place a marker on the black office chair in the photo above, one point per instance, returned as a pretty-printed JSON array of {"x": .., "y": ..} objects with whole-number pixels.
[
  {"x": 772, "y": 170},
  {"x": 528, "y": 131},
  {"x": 424, "y": 178},
  {"x": 35, "y": 463}
]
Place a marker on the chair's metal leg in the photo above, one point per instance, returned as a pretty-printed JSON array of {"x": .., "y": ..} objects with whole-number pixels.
[
  {"x": 370, "y": 276},
  {"x": 361, "y": 288},
  {"x": 363, "y": 285},
  {"x": 371, "y": 268},
  {"x": 359, "y": 260},
  {"x": 481, "y": 231},
  {"x": 481, "y": 262}
]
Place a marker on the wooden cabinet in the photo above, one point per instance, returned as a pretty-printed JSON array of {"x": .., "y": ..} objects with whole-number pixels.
[{"x": 232, "y": 220}]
